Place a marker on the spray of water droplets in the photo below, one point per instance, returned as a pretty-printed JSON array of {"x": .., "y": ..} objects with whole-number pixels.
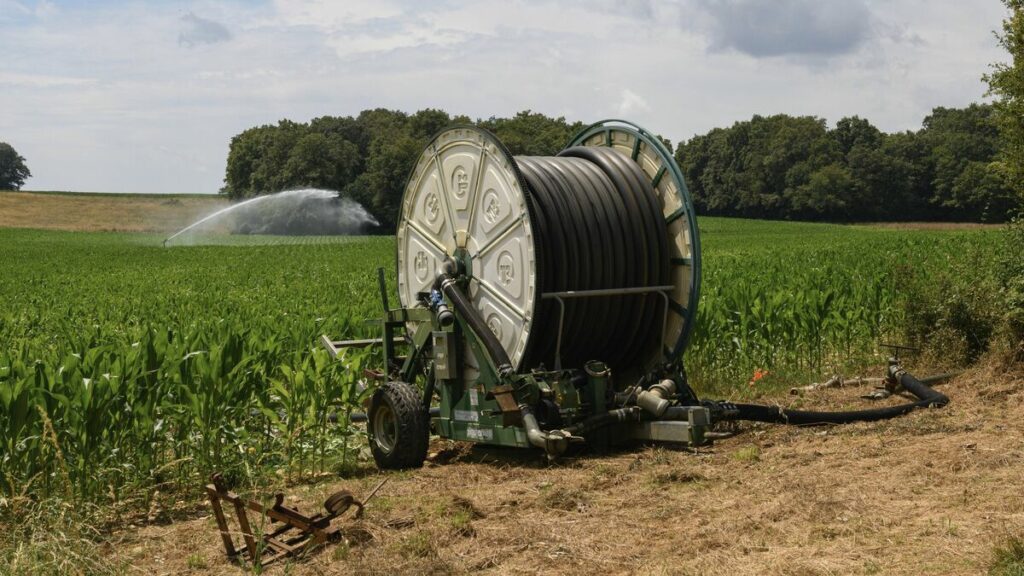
[{"x": 307, "y": 212}]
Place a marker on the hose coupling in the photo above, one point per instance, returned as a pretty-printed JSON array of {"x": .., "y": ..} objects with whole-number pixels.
[
  {"x": 893, "y": 376},
  {"x": 445, "y": 317},
  {"x": 657, "y": 398},
  {"x": 721, "y": 410}
]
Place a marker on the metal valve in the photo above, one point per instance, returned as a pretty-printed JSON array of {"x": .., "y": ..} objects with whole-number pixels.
[{"x": 444, "y": 315}]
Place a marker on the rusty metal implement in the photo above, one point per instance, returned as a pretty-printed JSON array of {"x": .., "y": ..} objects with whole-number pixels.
[{"x": 296, "y": 533}]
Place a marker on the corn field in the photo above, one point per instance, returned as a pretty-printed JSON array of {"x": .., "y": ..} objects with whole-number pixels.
[
  {"x": 799, "y": 301},
  {"x": 126, "y": 367}
]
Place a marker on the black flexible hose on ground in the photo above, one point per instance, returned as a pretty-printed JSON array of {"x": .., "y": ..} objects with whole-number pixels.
[{"x": 928, "y": 397}]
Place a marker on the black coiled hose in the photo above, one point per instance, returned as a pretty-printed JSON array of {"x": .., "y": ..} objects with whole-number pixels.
[{"x": 598, "y": 224}]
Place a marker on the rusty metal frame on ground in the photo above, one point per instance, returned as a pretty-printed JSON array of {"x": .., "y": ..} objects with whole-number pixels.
[{"x": 296, "y": 533}]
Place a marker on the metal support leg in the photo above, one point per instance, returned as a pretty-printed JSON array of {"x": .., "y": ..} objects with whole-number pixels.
[{"x": 558, "y": 341}]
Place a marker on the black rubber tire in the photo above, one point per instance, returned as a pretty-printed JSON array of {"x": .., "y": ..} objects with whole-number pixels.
[
  {"x": 339, "y": 502},
  {"x": 403, "y": 443}
]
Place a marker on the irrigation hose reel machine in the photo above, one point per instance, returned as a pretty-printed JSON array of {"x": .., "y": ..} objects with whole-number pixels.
[{"x": 526, "y": 283}]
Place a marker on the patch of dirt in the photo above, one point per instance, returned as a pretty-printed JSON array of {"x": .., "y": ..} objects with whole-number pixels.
[
  {"x": 103, "y": 212},
  {"x": 929, "y": 493}
]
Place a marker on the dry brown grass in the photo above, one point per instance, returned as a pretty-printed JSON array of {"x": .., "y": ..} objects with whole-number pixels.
[
  {"x": 931, "y": 493},
  {"x": 103, "y": 212}
]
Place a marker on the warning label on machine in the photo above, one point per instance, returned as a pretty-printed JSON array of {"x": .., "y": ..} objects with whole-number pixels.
[
  {"x": 479, "y": 433},
  {"x": 467, "y": 415}
]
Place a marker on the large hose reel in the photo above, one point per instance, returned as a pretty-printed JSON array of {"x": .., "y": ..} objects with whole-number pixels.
[
  {"x": 526, "y": 282},
  {"x": 610, "y": 218}
]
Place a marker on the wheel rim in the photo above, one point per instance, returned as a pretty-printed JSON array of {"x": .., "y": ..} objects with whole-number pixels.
[{"x": 385, "y": 429}]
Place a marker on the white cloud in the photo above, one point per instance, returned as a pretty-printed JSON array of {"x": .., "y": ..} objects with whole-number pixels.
[
  {"x": 11, "y": 8},
  {"x": 45, "y": 9},
  {"x": 199, "y": 30},
  {"x": 632, "y": 103},
  {"x": 12, "y": 79},
  {"x": 103, "y": 97},
  {"x": 348, "y": 45},
  {"x": 330, "y": 14}
]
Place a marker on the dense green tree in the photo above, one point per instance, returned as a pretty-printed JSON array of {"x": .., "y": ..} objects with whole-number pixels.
[
  {"x": 756, "y": 168},
  {"x": 257, "y": 157},
  {"x": 855, "y": 131},
  {"x": 243, "y": 155},
  {"x": 767, "y": 167},
  {"x": 343, "y": 127},
  {"x": 13, "y": 170},
  {"x": 425, "y": 124},
  {"x": 380, "y": 122},
  {"x": 882, "y": 182},
  {"x": 396, "y": 141},
  {"x": 981, "y": 191},
  {"x": 319, "y": 161},
  {"x": 532, "y": 134},
  {"x": 290, "y": 155},
  {"x": 1006, "y": 82},
  {"x": 909, "y": 177},
  {"x": 884, "y": 168},
  {"x": 964, "y": 142},
  {"x": 368, "y": 157},
  {"x": 826, "y": 194},
  {"x": 382, "y": 186},
  {"x": 795, "y": 167},
  {"x": 275, "y": 149}
]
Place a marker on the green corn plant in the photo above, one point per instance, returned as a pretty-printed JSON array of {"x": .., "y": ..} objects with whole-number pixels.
[{"x": 148, "y": 367}]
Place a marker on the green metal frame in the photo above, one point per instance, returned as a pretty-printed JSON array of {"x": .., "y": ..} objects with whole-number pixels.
[
  {"x": 466, "y": 412},
  {"x": 474, "y": 413}
]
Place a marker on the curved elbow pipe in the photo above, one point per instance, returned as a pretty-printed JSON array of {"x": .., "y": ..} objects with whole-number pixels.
[{"x": 554, "y": 443}]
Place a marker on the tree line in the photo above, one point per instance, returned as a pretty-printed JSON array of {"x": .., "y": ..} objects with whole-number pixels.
[
  {"x": 367, "y": 157},
  {"x": 781, "y": 166},
  {"x": 798, "y": 168}
]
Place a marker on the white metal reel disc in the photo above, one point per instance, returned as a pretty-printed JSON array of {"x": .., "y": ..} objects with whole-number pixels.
[{"x": 465, "y": 200}]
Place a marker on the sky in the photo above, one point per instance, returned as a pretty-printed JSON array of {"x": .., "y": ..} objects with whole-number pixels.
[{"x": 145, "y": 96}]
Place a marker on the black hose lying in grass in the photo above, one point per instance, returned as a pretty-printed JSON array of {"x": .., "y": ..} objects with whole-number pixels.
[{"x": 927, "y": 398}]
